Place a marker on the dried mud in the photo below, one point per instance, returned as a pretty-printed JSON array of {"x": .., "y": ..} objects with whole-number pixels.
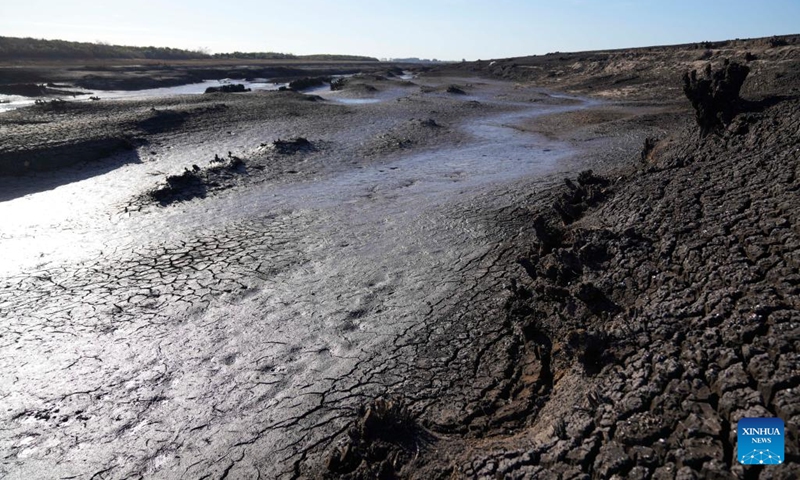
[{"x": 391, "y": 303}]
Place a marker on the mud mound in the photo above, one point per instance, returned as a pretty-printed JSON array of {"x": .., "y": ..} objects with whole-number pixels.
[
  {"x": 589, "y": 191},
  {"x": 358, "y": 85},
  {"x": 414, "y": 132},
  {"x": 290, "y": 147},
  {"x": 338, "y": 84},
  {"x": 54, "y": 156},
  {"x": 362, "y": 88},
  {"x": 54, "y": 134},
  {"x": 233, "y": 88},
  {"x": 384, "y": 438},
  {"x": 393, "y": 72},
  {"x": 162, "y": 120},
  {"x": 430, "y": 123},
  {"x": 198, "y": 182},
  {"x": 715, "y": 95},
  {"x": 308, "y": 82},
  {"x": 34, "y": 90}
]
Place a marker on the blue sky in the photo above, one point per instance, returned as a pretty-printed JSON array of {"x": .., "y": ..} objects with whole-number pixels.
[{"x": 444, "y": 29}]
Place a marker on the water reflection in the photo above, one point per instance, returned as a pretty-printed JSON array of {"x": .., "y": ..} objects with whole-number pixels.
[{"x": 12, "y": 102}]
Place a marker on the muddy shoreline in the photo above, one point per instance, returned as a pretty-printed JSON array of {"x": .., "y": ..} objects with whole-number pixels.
[
  {"x": 413, "y": 290},
  {"x": 143, "y": 74}
]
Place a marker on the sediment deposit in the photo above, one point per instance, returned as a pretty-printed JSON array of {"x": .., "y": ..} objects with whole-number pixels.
[{"x": 395, "y": 279}]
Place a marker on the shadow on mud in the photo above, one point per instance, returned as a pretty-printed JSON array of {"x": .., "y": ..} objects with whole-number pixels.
[{"x": 15, "y": 186}]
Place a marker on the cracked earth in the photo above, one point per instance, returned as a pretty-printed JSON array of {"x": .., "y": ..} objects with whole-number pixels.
[
  {"x": 237, "y": 335},
  {"x": 419, "y": 285}
]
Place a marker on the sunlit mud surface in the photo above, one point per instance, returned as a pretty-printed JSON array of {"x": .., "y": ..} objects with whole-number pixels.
[{"x": 237, "y": 334}]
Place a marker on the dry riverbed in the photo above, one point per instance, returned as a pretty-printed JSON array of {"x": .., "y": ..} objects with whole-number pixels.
[
  {"x": 390, "y": 279},
  {"x": 240, "y": 327}
]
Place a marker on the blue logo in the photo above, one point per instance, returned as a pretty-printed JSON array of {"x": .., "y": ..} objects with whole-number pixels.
[{"x": 760, "y": 441}]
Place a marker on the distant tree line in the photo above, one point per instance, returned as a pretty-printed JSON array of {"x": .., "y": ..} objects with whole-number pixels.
[
  {"x": 256, "y": 55},
  {"x": 347, "y": 58},
  {"x": 289, "y": 56},
  {"x": 12, "y": 48},
  {"x": 416, "y": 60}
]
